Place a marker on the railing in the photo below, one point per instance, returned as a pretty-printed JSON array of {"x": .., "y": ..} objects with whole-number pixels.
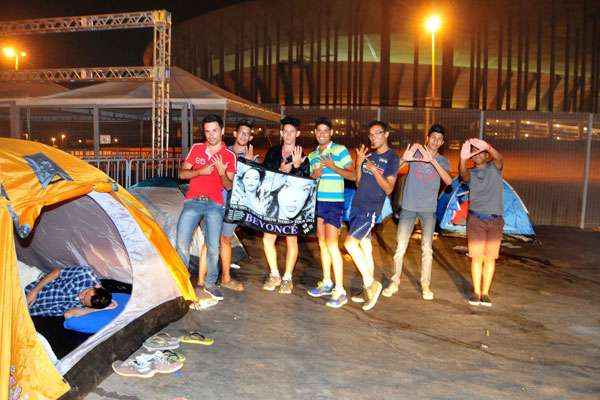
[{"x": 128, "y": 172}]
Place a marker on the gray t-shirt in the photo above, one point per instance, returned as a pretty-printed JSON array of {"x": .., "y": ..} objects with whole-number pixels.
[
  {"x": 422, "y": 185},
  {"x": 485, "y": 190}
]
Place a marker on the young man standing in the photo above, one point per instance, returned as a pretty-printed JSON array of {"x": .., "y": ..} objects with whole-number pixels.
[
  {"x": 419, "y": 200},
  {"x": 375, "y": 179},
  {"x": 485, "y": 222},
  {"x": 242, "y": 149},
  {"x": 287, "y": 158},
  {"x": 331, "y": 164},
  {"x": 210, "y": 168}
]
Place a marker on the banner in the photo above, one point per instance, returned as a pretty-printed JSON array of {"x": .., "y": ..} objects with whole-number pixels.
[{"x": 272, "y": 202}]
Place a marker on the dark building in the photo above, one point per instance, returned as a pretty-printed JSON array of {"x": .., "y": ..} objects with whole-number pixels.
[{"x": 506, "y": 54}]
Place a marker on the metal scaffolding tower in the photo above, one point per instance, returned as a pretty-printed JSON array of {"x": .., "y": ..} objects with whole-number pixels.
[{"x": 159, "y": 21}]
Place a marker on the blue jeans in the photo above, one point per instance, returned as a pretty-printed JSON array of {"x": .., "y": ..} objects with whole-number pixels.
[
  {"x": 194, "y": 210},
  {"x": 405, "y": 229}
]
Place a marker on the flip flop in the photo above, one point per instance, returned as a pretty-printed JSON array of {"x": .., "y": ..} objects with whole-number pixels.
[
  {"x": 234, "y": 285},
  {"x": 161, "y": 341},
  {"x": 174, "y": 356},
  {"x": 203, "y": 304},
  {"x": 196, "y": 338}
]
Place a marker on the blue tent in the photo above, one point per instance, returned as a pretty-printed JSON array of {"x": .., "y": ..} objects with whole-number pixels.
[
  {"x": 453, "y": 206},
  {"x": 386, "y": 211}
]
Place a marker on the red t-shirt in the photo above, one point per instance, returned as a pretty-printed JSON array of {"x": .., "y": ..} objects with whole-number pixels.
[{"x": 208, "y": 185}]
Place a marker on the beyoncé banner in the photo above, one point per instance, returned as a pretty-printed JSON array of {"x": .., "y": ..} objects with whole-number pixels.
[{"x": 272, "y": 202}]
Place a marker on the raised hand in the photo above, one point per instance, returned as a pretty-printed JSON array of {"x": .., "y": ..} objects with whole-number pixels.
[
  {"x": 285, "y": 167},
  {"x": 372, "y": 168},
  {"x": 327, "y": 161},
  {"x": 427, "y": 157},
  {"x": 409, "y": 153},
  {"x": 361, "y": 154},
  {"x": 220, "y": 165},
  {"x": 465, "y": 151},
  {"x": 317, "y": 172},
  {"x": 481, "y": 145},
  {"x": 206, "y": 170},
  {"x": 249, "y": 154},
  {"x": 297, "y": 158}
]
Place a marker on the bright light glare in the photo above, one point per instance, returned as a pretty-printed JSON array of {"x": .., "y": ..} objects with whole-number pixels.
[
  {"x": 433, "y": 23},
  {"x": 9, "y": 52}
]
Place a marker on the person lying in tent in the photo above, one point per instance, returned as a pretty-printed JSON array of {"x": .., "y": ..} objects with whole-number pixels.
[{"x": 71, "y": 291}]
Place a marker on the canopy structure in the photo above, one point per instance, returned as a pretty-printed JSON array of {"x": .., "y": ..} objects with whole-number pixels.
[{"x": 188, "y": 93}]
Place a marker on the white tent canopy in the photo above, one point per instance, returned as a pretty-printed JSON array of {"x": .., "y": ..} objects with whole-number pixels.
[
  {"x": 187, "y": 92},
  {"x": 186, "y": 89}
]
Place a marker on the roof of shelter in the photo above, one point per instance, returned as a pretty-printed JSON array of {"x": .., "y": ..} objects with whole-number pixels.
[
  {"x": 185, "y": 88},
  {"x": 18, "y": 90}
]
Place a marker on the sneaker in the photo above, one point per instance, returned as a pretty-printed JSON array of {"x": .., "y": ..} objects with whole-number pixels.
[
  {"x": 359, "y": 297},
  {"x": 214, "y": 292},
  {"x": 138, "y": 367},
  {"x": 486, "y": 301},
  {"x": 286, "y": 286},
  {"x": 321, "y": 290},
  {"x": 427, "y": 293},
  {"x": 164, "y": 363},
  {"x": 373, "y": 293},
  {"x": 474, "y": 300},
  {"x": 272, "y": 283},
  {"x": 337, "y": 301},
  {"x": 391, "y": 289}
]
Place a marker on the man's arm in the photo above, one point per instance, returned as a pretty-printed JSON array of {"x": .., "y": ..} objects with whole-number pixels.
[
  {"x": 186, "y": 172},
  {"x": 465, "y": 155},
  {"x": 442, "y": 172},
  {"x": 387, "y": 184},
  {"x": 32, "y": 295},
  {"x": 497, "y": 158},
  {"x": 347, "y": 172}
]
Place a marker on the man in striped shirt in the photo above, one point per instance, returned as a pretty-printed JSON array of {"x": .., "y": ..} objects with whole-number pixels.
[{"x": 330, "y": 163}]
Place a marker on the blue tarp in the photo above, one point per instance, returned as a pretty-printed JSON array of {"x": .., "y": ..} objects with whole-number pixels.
[{"x": 454, "y": 200}]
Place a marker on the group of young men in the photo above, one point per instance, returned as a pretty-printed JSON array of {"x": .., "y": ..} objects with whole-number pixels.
[{"x": 210, "y": 168}]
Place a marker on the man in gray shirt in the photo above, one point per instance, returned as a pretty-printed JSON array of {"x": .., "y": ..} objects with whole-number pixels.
[
  {"x": 484, "y": 223},
  {"x": 419, "y": 200}
]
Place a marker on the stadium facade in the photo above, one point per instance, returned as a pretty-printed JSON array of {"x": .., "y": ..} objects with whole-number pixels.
[{"x": 491, "y": 55}]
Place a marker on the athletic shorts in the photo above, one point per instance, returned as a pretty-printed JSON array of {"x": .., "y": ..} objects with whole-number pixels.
[
  {"x": 361, "y": 222},
  {"x": 228, "y": 229},
  {"x": 331, "y": 212},
  {"x": 484, "y": 236}
]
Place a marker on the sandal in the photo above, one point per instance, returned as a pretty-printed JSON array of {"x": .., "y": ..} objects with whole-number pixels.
[
  {"x": 161, "y": 341},
  {"x": 196, "y": 338},
  {"x": 174, "y": 356},
  {"x": 203, "y": 304},
  {"x": 234, "y": 285}
]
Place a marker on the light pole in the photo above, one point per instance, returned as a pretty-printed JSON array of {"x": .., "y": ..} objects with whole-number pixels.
[
  {"x": 62, "y": 139},
  {"x": 11, "y": 52},
  {"x": 433, "y": 24}
]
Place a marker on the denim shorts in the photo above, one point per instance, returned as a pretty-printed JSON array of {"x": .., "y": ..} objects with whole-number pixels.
[
  {"x": 361, "y": 222},
  {"x": 331, "y": 212},
  {"x": 228, "y": 229}
]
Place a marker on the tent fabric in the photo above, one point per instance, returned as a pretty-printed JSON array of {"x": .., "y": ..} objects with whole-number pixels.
[
  {"x": 21, "y": 202},
  {"x": 453, "y": 207},
  {"x": 185, "y": 88},
  {"x": 18, "y": 90}
]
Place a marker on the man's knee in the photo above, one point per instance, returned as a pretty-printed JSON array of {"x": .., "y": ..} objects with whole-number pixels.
[
  {"x": 350, "y": 243},
  {"x": 225, "y": 240}
]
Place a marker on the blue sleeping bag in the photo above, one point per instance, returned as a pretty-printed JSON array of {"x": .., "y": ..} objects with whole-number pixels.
[{"x": 93, "y": 322}]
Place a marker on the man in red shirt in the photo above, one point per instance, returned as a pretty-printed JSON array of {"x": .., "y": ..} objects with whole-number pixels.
[{"x": 210, "y": 168}]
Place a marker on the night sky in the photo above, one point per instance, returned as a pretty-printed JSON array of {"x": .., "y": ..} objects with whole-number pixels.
[{"x": 86, "y": 49}]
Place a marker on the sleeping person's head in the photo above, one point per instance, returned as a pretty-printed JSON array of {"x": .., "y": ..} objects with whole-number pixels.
[{"x": 95, "y": 297}]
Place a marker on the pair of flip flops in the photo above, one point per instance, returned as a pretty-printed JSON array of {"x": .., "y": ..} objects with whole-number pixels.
[
  {"x": 196, "y": 338},
  {"x": 161, "y": 341}
]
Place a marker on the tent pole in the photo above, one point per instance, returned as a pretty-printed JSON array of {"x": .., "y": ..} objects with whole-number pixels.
[
  {"x": 586, "y": 171},
  {"x": 15, "y": 121},
  {"x": 28, "y": 123},
  {"x": 185, "y": 134},
  {"x": 96, "y": 118},
  {"x": 142, "y": 133}
]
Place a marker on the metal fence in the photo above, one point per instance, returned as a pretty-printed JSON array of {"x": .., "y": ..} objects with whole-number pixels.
[
  {"x": 551, "y": 159},
  {"x": 128, "y": 172}
]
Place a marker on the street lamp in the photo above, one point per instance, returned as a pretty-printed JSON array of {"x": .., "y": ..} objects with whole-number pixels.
[
  {"x": 11, "y": 52},
  {"x": 53, "y": 139},
  {"x": 433, "y": 24},
  {"x": 62, "y": 139}
]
